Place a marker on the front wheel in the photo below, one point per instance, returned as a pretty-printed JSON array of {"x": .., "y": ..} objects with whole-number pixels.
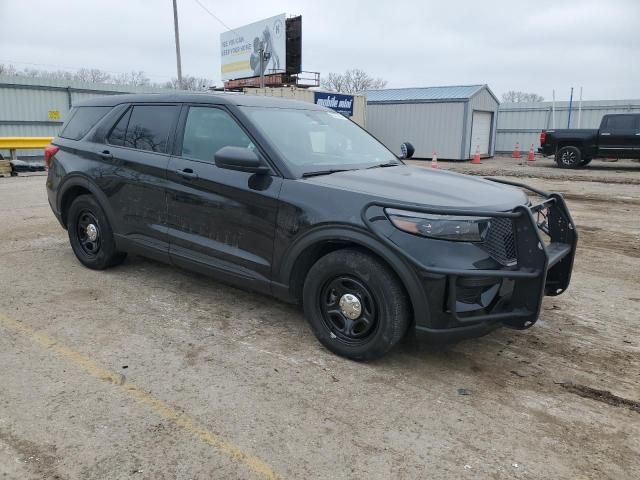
[
  {"x": 90, "y": 234},
  {"x": 569, "y": 157},
  {"x": 355, "y": 304}
]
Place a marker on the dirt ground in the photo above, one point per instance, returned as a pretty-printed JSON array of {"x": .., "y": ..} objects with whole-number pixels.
[{"x": 145, "y": 371}]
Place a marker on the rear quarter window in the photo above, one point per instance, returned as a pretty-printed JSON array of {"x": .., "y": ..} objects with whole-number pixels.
[
  {"x": 620, "y": 122},
  {"x": 82, "y": 120},
  {"x": 147, "y": 127}
]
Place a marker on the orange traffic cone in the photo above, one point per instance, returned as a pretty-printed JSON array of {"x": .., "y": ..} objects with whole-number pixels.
[
  {"x": 476, "y": 156},
  {"x": 516, "y": 152},
  {"x": 434, "y": 160},
  {"x": 532, "y": 156}
]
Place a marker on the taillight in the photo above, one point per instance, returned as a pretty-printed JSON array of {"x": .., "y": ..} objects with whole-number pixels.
[
  {"x": 543, "y": 137},
  {"x": 49, "y": 152}
]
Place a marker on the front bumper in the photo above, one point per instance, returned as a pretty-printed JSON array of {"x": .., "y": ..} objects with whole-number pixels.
[{"x": 545, "y": 243}]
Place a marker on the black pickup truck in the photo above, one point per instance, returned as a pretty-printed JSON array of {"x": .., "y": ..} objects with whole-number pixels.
[{"x": 617, "y": 137}]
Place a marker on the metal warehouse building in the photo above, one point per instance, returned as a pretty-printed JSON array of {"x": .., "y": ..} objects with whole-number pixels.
[
  {"x": 522, "y": 122},
  {"x": 37, "y": 107},
  {"x": 448, "y": 120}
]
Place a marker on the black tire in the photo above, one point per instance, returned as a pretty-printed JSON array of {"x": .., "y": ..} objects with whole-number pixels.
[
  {"x": 569, "y": 157},
  {"x": 585, "y": 162},
  {"x": 384, "y": 307},
  {"x": 98, "y": 253}
]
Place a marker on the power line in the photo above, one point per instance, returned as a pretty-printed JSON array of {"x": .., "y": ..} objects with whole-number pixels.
[{"x": 213, "y": 15}]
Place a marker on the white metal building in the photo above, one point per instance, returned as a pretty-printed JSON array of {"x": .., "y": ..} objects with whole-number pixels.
[
  {"x": 451, "y": 121},
  {"x": 522, "y": 122}
]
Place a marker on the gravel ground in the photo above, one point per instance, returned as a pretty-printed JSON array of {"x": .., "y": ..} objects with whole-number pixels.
[{"x": 149, "y": 372}]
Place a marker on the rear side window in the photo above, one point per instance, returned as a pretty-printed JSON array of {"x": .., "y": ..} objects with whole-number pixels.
[
  {"x": 116, "y": 137},
  {"x": 207, "y": 130},
  {"x": 620, "y": 122},
  {"x": 147, "y": 127},
  {"x": 82, "y": 121}
]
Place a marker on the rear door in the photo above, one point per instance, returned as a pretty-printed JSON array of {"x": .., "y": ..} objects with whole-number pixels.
[
  {"x": 134, "y": 175},
  {"x": 220, "y": 221},
  {"x": 617, "y": 135}
]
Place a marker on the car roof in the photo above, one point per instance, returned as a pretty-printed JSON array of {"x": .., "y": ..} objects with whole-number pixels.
[{"x": 207, "y": 98}]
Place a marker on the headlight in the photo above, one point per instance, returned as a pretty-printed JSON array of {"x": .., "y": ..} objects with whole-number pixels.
[{"x": 443, "y": 227}]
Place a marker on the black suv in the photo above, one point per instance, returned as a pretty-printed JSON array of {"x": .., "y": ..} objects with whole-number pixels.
[{"x": 295, "y": 200}]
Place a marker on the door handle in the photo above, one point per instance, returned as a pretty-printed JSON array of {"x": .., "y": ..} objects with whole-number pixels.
[
  {"x": 187, "y": 173},
  {"x": 638, "y": 133},
  {"x": 106, "y": 154},
  {"x": 603, "y": 134}
]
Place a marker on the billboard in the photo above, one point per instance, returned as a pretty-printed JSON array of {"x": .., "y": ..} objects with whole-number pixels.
[
  {"x": 339, "y": 102},
  {"x": 240, "y": 49}
]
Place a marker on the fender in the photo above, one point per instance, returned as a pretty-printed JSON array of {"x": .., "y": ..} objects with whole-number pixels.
[
  {"x": 365, "y": 239},
  {"x": 78, "y": 179}
]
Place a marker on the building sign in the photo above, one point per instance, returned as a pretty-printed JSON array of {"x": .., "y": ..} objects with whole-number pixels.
[
  {"x": 240, "y": 49},
  {"x": 340, "y": 103},
  {"x": 54, "y": 114}
]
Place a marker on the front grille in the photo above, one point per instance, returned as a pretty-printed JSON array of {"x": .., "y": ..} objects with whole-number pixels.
[{"x": 500, "y": 241}]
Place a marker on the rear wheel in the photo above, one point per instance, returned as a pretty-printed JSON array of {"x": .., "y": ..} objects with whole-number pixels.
[
  {"x": 355, "y": 305},
  {"x": 569, "y": 157},
  {"x": 90, "y": 234}
]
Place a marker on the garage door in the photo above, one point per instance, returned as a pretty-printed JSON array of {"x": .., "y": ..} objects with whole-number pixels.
[{"x": 481, "y": 132}]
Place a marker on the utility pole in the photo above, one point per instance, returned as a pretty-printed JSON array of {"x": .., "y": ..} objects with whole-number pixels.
[{"x": 175, "y": 26}]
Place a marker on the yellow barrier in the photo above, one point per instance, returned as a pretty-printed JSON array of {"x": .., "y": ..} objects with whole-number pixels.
[{"x": 16, "y": 143}]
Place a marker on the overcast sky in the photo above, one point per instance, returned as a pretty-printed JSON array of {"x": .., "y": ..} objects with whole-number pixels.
[{"x": 533, "y": 46}]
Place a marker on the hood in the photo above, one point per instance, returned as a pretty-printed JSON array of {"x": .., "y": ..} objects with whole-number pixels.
[{"x": 427, "y": 187}]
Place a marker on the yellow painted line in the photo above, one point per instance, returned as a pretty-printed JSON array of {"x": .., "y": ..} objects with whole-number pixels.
[{"x": 158, "y": 406}]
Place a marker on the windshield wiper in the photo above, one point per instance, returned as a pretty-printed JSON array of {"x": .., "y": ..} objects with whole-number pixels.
[
  {"x": 388, "y": 164},
  {"x": 325, "y": 172}
]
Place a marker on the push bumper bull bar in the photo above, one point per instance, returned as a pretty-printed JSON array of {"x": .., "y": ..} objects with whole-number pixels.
[{"x": 543, "y": 267}]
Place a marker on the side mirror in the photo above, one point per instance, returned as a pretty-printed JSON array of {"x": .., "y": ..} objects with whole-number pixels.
[
  {"x": 406, "y": 150},
  {"x": 240, "y": 159}
]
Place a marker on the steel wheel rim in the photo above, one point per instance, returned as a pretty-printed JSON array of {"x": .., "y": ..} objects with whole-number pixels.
[
  {"x": 351, "y": 331},
  {"x": 88, "y": 233},
  {"x": 568, "y": 158}
]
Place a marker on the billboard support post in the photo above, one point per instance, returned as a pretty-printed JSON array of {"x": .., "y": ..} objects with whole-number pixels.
[{"x": 261, "y": 66}]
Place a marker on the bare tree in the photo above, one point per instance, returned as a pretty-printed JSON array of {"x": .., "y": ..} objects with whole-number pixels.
[
  {"x": 31, "y": 72},
  {"x": 334, "y": 82},
  {"x": 7, "y": 70},
  {"x": 352, "y": 81},
  {"x": 513, "y": 96},
  {"x": 196, "y": 84},
  {"x": 135, "y": 78},
  {"x": 60, "y": 75},
  {"x": 92, "y": 75}
]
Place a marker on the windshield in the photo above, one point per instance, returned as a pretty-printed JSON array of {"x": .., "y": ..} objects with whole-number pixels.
[{"x": 318, "y": 141}]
